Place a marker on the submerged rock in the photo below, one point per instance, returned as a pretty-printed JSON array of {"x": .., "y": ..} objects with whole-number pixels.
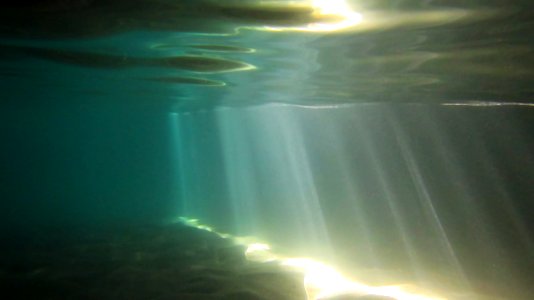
[{"x": 154, "y": 262}]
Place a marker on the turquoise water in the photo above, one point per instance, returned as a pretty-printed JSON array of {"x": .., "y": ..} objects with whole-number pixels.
[{"x": 396, "y": 147}]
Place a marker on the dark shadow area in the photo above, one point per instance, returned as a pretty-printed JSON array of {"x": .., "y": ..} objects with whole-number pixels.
[{"x": 137, "y": 262}]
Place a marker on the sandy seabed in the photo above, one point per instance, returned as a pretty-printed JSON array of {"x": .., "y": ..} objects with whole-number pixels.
[{"x": 138, "y": 262}]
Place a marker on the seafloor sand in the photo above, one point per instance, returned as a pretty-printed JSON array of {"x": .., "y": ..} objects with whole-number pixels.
[
  {"x": 154, "y": 262},
  {"x": 140, "y": 262}
]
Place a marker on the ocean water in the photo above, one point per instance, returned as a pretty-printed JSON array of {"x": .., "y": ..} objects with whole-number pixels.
[{"x": 391, "y": 140}]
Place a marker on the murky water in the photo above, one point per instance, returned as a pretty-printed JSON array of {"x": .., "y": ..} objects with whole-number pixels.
[{"x": 391, "y": 139}]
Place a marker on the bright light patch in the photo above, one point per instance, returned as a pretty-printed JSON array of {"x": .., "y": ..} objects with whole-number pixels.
[
  {"x": 339, "y": 8},
  {"x": 488, "y": 103},
  {"x": 320, "y": 280},
  {"x": 259, "y": 252},
  {"x": 257, "y": 247},
  {"x": 333, "y": 15}
]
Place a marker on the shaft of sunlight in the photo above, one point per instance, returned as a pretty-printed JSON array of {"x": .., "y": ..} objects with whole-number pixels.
[
  {"x": 425, "y": 198},
  {"x": 179, "y": 159},
  {"x": 392, "y": 201},
  {"x": 240, "y": 172}
]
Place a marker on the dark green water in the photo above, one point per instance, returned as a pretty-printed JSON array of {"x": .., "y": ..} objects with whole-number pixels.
[{"x": 400, "y": 150}]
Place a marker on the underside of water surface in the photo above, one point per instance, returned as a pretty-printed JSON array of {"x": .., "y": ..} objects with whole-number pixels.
[{"x": 209, "y": 149}]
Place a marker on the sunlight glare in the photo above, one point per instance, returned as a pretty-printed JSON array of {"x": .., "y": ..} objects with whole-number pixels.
[
  {"x": 259, "y": 252},
  {"x": 321, "y": 281},
  {"x": 342, "y": 15}
]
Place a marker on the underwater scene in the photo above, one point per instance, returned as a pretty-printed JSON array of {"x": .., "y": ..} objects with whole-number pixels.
[{"x": 267, "y": 149}]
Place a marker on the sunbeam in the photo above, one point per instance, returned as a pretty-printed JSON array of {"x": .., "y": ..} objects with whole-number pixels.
[{"x": 311, "y": 191}]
